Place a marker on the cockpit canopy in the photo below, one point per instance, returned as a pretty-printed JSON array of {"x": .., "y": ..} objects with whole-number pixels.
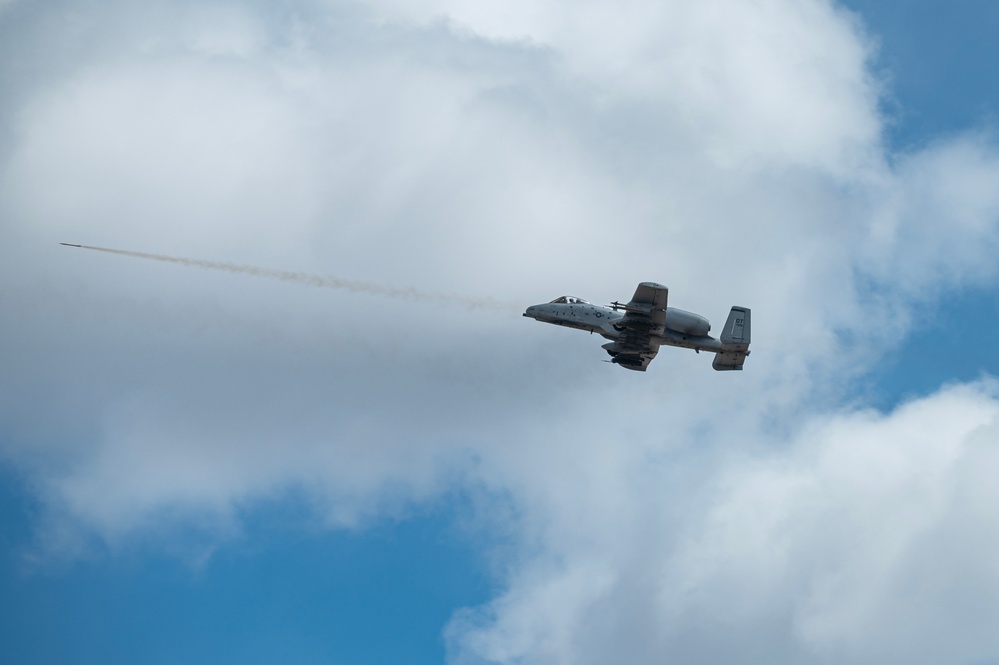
[{"x": 570, "y": 300}]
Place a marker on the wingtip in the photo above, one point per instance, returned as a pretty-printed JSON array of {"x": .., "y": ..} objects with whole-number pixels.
[{"x": 69, "y": 244}]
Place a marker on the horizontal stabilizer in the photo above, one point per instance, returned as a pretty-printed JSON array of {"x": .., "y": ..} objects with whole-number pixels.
[{"x": 734, "y": 339}]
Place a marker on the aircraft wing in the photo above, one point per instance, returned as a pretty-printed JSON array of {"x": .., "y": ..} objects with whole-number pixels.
[{"x": 643, "y": 321}]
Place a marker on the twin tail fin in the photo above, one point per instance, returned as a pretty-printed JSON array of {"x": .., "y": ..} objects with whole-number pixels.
[{"x": 734, "y": 340}]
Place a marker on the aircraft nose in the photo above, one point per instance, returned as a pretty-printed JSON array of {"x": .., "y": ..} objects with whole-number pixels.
[{"x": 531, "y": 311}]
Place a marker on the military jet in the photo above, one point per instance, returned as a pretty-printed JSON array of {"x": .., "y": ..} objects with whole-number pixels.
[{"x": 637, "y": 329}]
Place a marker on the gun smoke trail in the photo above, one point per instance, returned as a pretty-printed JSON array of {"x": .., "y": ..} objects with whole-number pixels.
[{"x": 322, "y": 281}]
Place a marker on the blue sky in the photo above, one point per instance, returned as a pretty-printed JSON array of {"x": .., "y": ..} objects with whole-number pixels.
[
  {"x": 937, "y": 60},
  {"x": 210, "y": 468},
  {"x": 284, "y": 591}
]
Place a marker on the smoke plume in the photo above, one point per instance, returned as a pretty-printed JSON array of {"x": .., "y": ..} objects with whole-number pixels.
[{"x": 322, "y": 281}]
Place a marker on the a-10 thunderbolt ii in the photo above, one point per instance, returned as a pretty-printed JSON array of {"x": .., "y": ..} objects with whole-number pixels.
[{"x": 637, "y": 329}]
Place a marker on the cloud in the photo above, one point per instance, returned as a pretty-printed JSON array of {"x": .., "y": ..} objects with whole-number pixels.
[
  {"x": 752, "y": 83},
  {"x": 731, "y": 150},
  {"x": 864, "y": 537},
  {"x": 938, "y": 217}
]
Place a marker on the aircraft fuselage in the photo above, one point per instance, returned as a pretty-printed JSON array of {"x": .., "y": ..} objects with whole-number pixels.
[{"x": 684, "y": 329}]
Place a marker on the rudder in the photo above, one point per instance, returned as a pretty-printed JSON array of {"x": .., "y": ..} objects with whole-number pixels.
[{"x": 735, "y": 340}]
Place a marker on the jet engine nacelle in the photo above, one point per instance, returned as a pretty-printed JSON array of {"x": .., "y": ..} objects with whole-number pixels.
[{"x": 685, "y": 322}]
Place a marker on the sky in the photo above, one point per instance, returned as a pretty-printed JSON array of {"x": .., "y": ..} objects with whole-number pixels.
[{"x": 205, "y": 466}]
